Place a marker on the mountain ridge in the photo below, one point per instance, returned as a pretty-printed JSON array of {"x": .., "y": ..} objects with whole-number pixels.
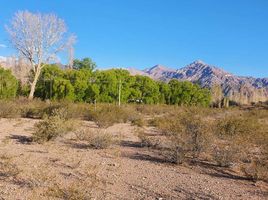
[{"x": 242, "y": 89}]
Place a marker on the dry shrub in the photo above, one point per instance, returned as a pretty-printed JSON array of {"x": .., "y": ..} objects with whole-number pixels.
[
  {"x": 140, "y": 122},
  {"x": 257, "y": 166},
  {"x": 256, "y": 170},
  {"x": 52, "y": 126},
  {"x": 33, "y": 108},
  {"x": 7, "y": 168},
  {"x": 155, "y": 109},
  {"x": 73, "y": 110},
  {"x": 97, "y": 139},
  {"x": 9, "y": 109},
  {"x": 230, "y": 127},
  {"x": 48, "y": 182},
  {"x": 106, "y": 116},
  {"x": 148, "y": 141},
  {"x": 175, "y": 153},
  {"x": 187, "y": 134},
  {"x": 225, "y": 155},
  {"x": 246, "y": 141},
  {"x": 73, "y": 191}
]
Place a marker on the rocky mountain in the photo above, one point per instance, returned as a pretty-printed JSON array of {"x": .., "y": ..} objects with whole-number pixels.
[{"x": 240, "y": 89}]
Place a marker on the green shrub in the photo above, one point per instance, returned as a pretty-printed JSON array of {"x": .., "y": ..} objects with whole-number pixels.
[{"x": 8, "y": 84}]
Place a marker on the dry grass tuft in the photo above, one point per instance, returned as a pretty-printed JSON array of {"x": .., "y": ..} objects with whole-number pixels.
[{"x": 98, "y": 139}]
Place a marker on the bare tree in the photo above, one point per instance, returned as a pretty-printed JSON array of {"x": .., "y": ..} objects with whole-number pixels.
[{"x": 39, "y": 38}]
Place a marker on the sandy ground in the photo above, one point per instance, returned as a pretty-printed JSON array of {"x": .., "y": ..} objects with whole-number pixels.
[{"x": 125, "y": 171}]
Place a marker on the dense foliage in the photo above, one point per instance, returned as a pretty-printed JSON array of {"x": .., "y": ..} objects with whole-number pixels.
[
  {"x": 8, "y": 84},
  {"x": 84, "y": 84}
]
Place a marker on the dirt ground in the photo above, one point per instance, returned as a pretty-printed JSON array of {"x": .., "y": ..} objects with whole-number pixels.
[{"x": 125, "y": 171}]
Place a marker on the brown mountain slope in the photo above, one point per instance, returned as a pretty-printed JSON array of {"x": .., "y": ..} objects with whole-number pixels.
[{"x": 244, "y": 90}]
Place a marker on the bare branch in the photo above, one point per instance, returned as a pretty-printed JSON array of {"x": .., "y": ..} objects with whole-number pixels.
[{"x": 39, "y": 38}]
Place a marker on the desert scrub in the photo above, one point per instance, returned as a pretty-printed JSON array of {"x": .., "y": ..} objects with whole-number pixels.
[
  {"x": 96, "y": 139},
  {"x": 225, "y": 155},
  {"x": 7, "y": 168},
  {"x": 52, "y": 126},
  {"x": 256, "y": 170},
  {"x": 108, "y": 115},
  {"x": 8, "y": 109},
  {"x": 187, "y": 135},
  {"x": 148, "y": 141},
  {"x": 72, "y": 191},
  {"x": 246, "y": 140},
  {"x": 139, "y": 121}
]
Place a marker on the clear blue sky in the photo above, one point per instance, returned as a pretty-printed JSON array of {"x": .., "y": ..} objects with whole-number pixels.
[{"x": 232, "y": 34}]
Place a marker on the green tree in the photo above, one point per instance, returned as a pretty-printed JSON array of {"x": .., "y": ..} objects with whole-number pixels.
[
  {"x": 85, "y": 63},
  {"x": 8, "y": 84},
  {"x": 188, "y": 94},
  {"x": 45, "y": 84},
  {"x": 149, "y": 89},
  {"x": 80, "y": 79},
  {"x": 63, "y": 89},
  {"x": 165, "y": 93}
]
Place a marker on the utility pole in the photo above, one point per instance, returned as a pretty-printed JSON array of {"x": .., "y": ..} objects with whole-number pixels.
[
  {"x": 119, "y": 93},
  {"x": 95, "y": 104}
]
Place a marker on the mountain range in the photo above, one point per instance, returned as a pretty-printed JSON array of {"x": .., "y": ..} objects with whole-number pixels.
[{"x": 241, "y": 89}]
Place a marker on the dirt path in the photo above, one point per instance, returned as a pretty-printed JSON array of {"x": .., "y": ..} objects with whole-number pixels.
[{"x": 126, "y": 171}]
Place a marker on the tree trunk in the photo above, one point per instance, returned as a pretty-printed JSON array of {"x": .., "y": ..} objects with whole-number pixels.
[{"x": 33, "y": 85}]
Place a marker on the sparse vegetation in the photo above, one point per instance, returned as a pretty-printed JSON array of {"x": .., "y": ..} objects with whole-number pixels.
[
  {"x": 7, "y": 168},
  {"x": 97, "y": 139},
  {"x": 52, "y": 126}
]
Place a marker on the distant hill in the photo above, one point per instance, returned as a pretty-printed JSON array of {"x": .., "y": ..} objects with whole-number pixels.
[{"x": 240, "y": 89}]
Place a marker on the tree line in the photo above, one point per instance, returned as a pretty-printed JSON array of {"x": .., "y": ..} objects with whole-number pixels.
[{"x": 85, "y": 84}]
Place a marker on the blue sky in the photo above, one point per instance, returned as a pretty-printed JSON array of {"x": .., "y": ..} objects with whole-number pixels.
[{"x": 232, "y": 34}]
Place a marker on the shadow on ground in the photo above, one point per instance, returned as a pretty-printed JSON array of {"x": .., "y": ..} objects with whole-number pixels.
[{"x": 22, "y": 139}]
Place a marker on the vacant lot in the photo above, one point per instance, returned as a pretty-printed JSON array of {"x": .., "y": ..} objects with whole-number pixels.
[{"x": 133, "y": 158}]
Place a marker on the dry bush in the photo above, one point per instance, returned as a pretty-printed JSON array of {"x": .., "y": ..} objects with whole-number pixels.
[
  {"x": 139, "y": 121},
  {"x": 156, "y": 109},
  {"x": 175, "y": 153},
  {"x": 73, "y": 191},
  {"x": 107, "y": 115},
  {"x": 187, "y": 134},
  {"x": 73, "y": 110},
  {"x": 230, "y": 127},
  {"x": 246, "y": 139},
  {"x": 9, "y": 109},
  {"x": 256, "y": 170},
  {"x": 7, "y": 168},
  {"x": 46, "y": 181},
  {"x": 148, "y": 141},
  {"x": 257, "y": 166},
  {"x": 52, "y": 126},
  {"x": 32, "y": 108},
  {"x": 97, "y": 139},
  {"x": 225, "y": 155}
]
